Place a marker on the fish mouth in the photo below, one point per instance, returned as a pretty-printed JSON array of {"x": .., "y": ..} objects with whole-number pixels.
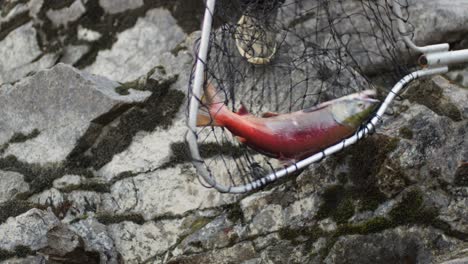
[{"x": 369, "y": 96}]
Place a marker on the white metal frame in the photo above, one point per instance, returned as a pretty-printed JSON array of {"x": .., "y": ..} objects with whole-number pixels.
[{"x": 435, "y": 59}]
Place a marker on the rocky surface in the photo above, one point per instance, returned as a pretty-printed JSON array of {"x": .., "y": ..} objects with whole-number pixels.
[{"x": 92, "y": 96}]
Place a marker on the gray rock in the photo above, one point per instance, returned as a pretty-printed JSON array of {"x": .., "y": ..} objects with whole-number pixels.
[
  {"x": 96, "y": 238},
  {"x": 63, "y": 104},
  {"x": 12, "y": 184},
  {"x": 456, "y": 213},
  {"x": 28, "y": 229},
  {"x": 456, "y": 261},
  {"x": 454, "y": 94},
  {"x": 113, "y": 6},
  {"x": 148, "y": 151},
  {"x": 72, "y": 54},
  {"x": 138, "y": 244},
  {"x": 140, "y": 48},
  {"x": 88, "y": 34},
  {"x": 51, "y": 197},
  {"x": 84, "y": 203},
  {"x": 218, "y": 233},
  {"x": 67, "y": 181},
  {"x": 61, "y": 240},
  {"x": 415, "y": 245},
  {"x": 18, "y": 51},
  {"x": 162, "y": 193},
  {"x": 66, "y": 15},
  {"x": 437, "y": 146},
  {"x": 239, "y": 253},
  {"x": 28, "y": 260}
]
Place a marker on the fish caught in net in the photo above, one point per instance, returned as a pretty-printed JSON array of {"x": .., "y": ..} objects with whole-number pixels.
[{"x": 282, "y": 57}]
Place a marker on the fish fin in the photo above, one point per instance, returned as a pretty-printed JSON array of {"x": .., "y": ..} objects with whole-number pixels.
[
  {"x": 242, "y": 110},
  {"x": 269, "y": 114},
  {"x": 241, "y": 139},
  {"x": 205, "y": 119}
]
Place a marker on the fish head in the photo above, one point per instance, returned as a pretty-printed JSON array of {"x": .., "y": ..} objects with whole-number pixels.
[{"x": 354, "y": 109}]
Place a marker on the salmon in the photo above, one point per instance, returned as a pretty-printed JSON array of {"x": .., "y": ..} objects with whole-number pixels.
[{"x": 292, "y": 136}]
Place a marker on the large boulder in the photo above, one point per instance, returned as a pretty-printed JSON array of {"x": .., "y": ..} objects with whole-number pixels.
[{"x": 63, "y": 105}]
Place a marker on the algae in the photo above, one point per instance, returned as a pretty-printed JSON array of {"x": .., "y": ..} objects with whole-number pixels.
[
  {"x": 180, "y": 152},
  {"x": 108, "y": 219},
  {"x": 14, "y": 208},
  {"x": 461, "y": 175},
  {"x": 427, "y": 93},
  {"x": 406, "y": 133},
  {"x": 40, "y": 177},
  {"x": 93, "y": 186},
  {"x": 19, "y": 251}
]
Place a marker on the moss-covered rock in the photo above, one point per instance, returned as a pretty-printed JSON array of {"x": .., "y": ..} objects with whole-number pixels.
[
  {"x": 14, "y": 208},
  {"x": 108, "y": 219},
  {"x": 461, "y": 175}
]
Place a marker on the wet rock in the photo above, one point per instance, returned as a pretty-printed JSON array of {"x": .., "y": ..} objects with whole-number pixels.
[
  {"x": 12, "y": 184},
  {"x": 64, "y": 105},
  {"x": 28, "y": 229}
]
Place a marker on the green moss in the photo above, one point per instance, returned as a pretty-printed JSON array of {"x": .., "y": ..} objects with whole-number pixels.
[
  {"x": 5, "y": 254},
  {"x": 411, "y": 210},
  {"x": 92, "y": 186},
  {"x": 19, "y": 251},
  {"x": 180, "y": 152},
  {"x": 199, "y": 224},
  {"x": 158, "y": 111},
  {"x": 39, "y": 177},
  {"x": 23, "y": 251},
  {"x": 461, "y": 175},
  {"x": 145, "y": 83},
  {"x": 429, "y": 94},
  {"x": 14, "y": 208},
  {"x": 108, "y": 219},
  {"x": 20, "y": 137},
  {"x": 406, "y": 132},
  {"x": 312, "y": 233},
  {"x": 180, "y": 47},
  {"x": 337, "y": 204},
  {"x": 235, "y": 213}
]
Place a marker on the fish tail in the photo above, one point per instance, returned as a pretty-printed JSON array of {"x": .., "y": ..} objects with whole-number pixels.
[{"x": 212, "y": 108}]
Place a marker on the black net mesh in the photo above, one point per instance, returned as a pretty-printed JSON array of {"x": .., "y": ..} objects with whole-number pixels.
[{"x": 284, "y": 56}]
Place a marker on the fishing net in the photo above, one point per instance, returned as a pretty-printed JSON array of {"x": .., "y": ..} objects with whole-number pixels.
[{"x": 312, "y": 51}]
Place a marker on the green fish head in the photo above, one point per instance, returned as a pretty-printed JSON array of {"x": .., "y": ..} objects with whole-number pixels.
[{"x": 353, "y": 110}]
